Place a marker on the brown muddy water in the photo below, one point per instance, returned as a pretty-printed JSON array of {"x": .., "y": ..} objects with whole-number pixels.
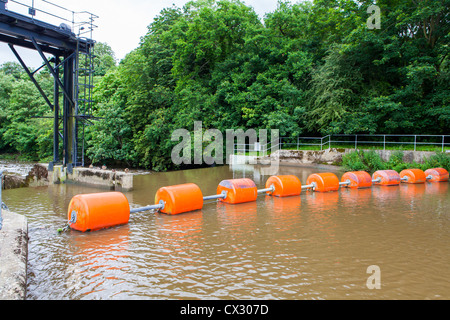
[{"x": 315, "y": 246}]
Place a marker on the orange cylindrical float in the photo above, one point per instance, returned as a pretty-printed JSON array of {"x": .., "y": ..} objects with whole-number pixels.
[
  {"x": 437, "y": 175},
  {"x": 386, "y": 177},
  {"x": 324, "y": 182},
  {"x": 238, "y": 190},
  {"x": 180, "y": 198},
  {"x": 285, "y": 186},
  {"x": 92, "y": 212},
  {"x": 413, "y": 176},
  {"x": 357, "y": 179}
]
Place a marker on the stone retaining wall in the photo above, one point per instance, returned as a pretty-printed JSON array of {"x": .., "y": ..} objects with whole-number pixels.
[
  {"x": 333, "y": 156},
  {"x": 329, "y": 157}
]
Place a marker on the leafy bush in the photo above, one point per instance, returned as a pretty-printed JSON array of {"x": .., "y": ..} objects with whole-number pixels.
[
  {"x": 396, "y": 162},
  {"x": 310, "y": 68},
  {"x": 371, "y": 162},
  {"x": 353, "y": 162},
  {"x": 439, "y": 160},
  {"x": 363, "y": 161}
]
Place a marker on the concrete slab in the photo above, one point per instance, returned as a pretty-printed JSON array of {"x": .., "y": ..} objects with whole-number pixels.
[
  {"x": 119, "y": 181},
  {"x": 13, "y": 256}
]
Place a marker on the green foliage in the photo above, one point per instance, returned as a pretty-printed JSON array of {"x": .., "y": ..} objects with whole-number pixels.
[
  {"x": 21, "y": 106},
  {"x": 104, "y": 59},
  {"x": 396, "y": 161},
  {"x": 353, "y": 162},
  {"x": 439, "y": 160},
  {"x": 308, "y": 68},
  {"x": 360, "y": 160},
  {"x": 370, "y": 161},
  {"x": 24, "y": 128}
]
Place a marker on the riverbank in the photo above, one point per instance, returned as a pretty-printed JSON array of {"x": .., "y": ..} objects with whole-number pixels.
[
  {"x": 24, "y": 175},
  {"x": 351, "y": 159},
  {"x": 13, "y": 253}
]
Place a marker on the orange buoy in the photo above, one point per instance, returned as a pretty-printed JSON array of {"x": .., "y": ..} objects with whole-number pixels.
[
  {"x": 437, "y": 175},
  {"x": 413, "y": 176},
  {"x": 285, "y": 186},
  {"x": 357, "y": 179},
  {"x": 92, "y": 212},
  {"x": 324, "y": 182},
  {"x": 180, "y": 198},
  {"x": 386, "y": 178},
  {"x": 238, "y": 190}
]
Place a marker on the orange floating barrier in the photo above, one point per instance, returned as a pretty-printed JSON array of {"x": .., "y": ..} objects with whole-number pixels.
[
  {"x": 324, "y": 182},
  {"x": 285, "y": 186},
  {"x": 386, "y": 178},
  {"x": 437, "y": 175},
  {"x": 180, "y": 198},
  {"x": 413, "y": 176},
  {"x": 357, "y": 179},
  {"x": 238, "y": 190},
  {"x": 92, "y": 212}
]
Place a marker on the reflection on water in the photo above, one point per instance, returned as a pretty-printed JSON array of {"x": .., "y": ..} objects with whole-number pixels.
[{"x": 313, "y": 246}]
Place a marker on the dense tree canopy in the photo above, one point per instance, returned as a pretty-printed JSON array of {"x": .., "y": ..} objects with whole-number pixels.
[
  {"x": 25, "y": 124},
  {"x": 308, "y": 68}
]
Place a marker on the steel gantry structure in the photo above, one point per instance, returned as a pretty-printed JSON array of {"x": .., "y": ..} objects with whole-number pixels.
[{"x": 71, "y": 65}]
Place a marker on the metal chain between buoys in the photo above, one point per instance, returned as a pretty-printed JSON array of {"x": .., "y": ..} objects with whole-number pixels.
[
  {"x": 62, "y": 230},
  {"x": 73, "y": 219}
]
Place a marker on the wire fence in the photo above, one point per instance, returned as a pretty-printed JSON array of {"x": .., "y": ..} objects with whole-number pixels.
[{"x": 434, "y": 143}]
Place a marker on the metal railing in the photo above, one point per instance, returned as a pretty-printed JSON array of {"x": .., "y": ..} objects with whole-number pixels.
[
  {"x": 81, "y": 20},
  {"x": 378, "y": 141},
  {"x": 256, "y": 148}
]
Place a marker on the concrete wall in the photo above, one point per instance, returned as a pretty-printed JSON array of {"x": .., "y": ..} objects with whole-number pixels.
[
  {"x": 113, "y": 180},
  {"x": 40, "y": 176},
  {"x": 13, "y": 256},
  {"x": 328, "y": 156},
  {"x": 37, "y": 177},
  {"x": 331, "y": 156}
]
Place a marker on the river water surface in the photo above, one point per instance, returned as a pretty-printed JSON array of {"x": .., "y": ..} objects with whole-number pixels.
[{"x": 314, "y": 246}]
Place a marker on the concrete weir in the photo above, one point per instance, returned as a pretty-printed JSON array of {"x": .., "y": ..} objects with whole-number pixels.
[
  {"x": 13, "y": 256},
  {"x": 119, "y": 181}
]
